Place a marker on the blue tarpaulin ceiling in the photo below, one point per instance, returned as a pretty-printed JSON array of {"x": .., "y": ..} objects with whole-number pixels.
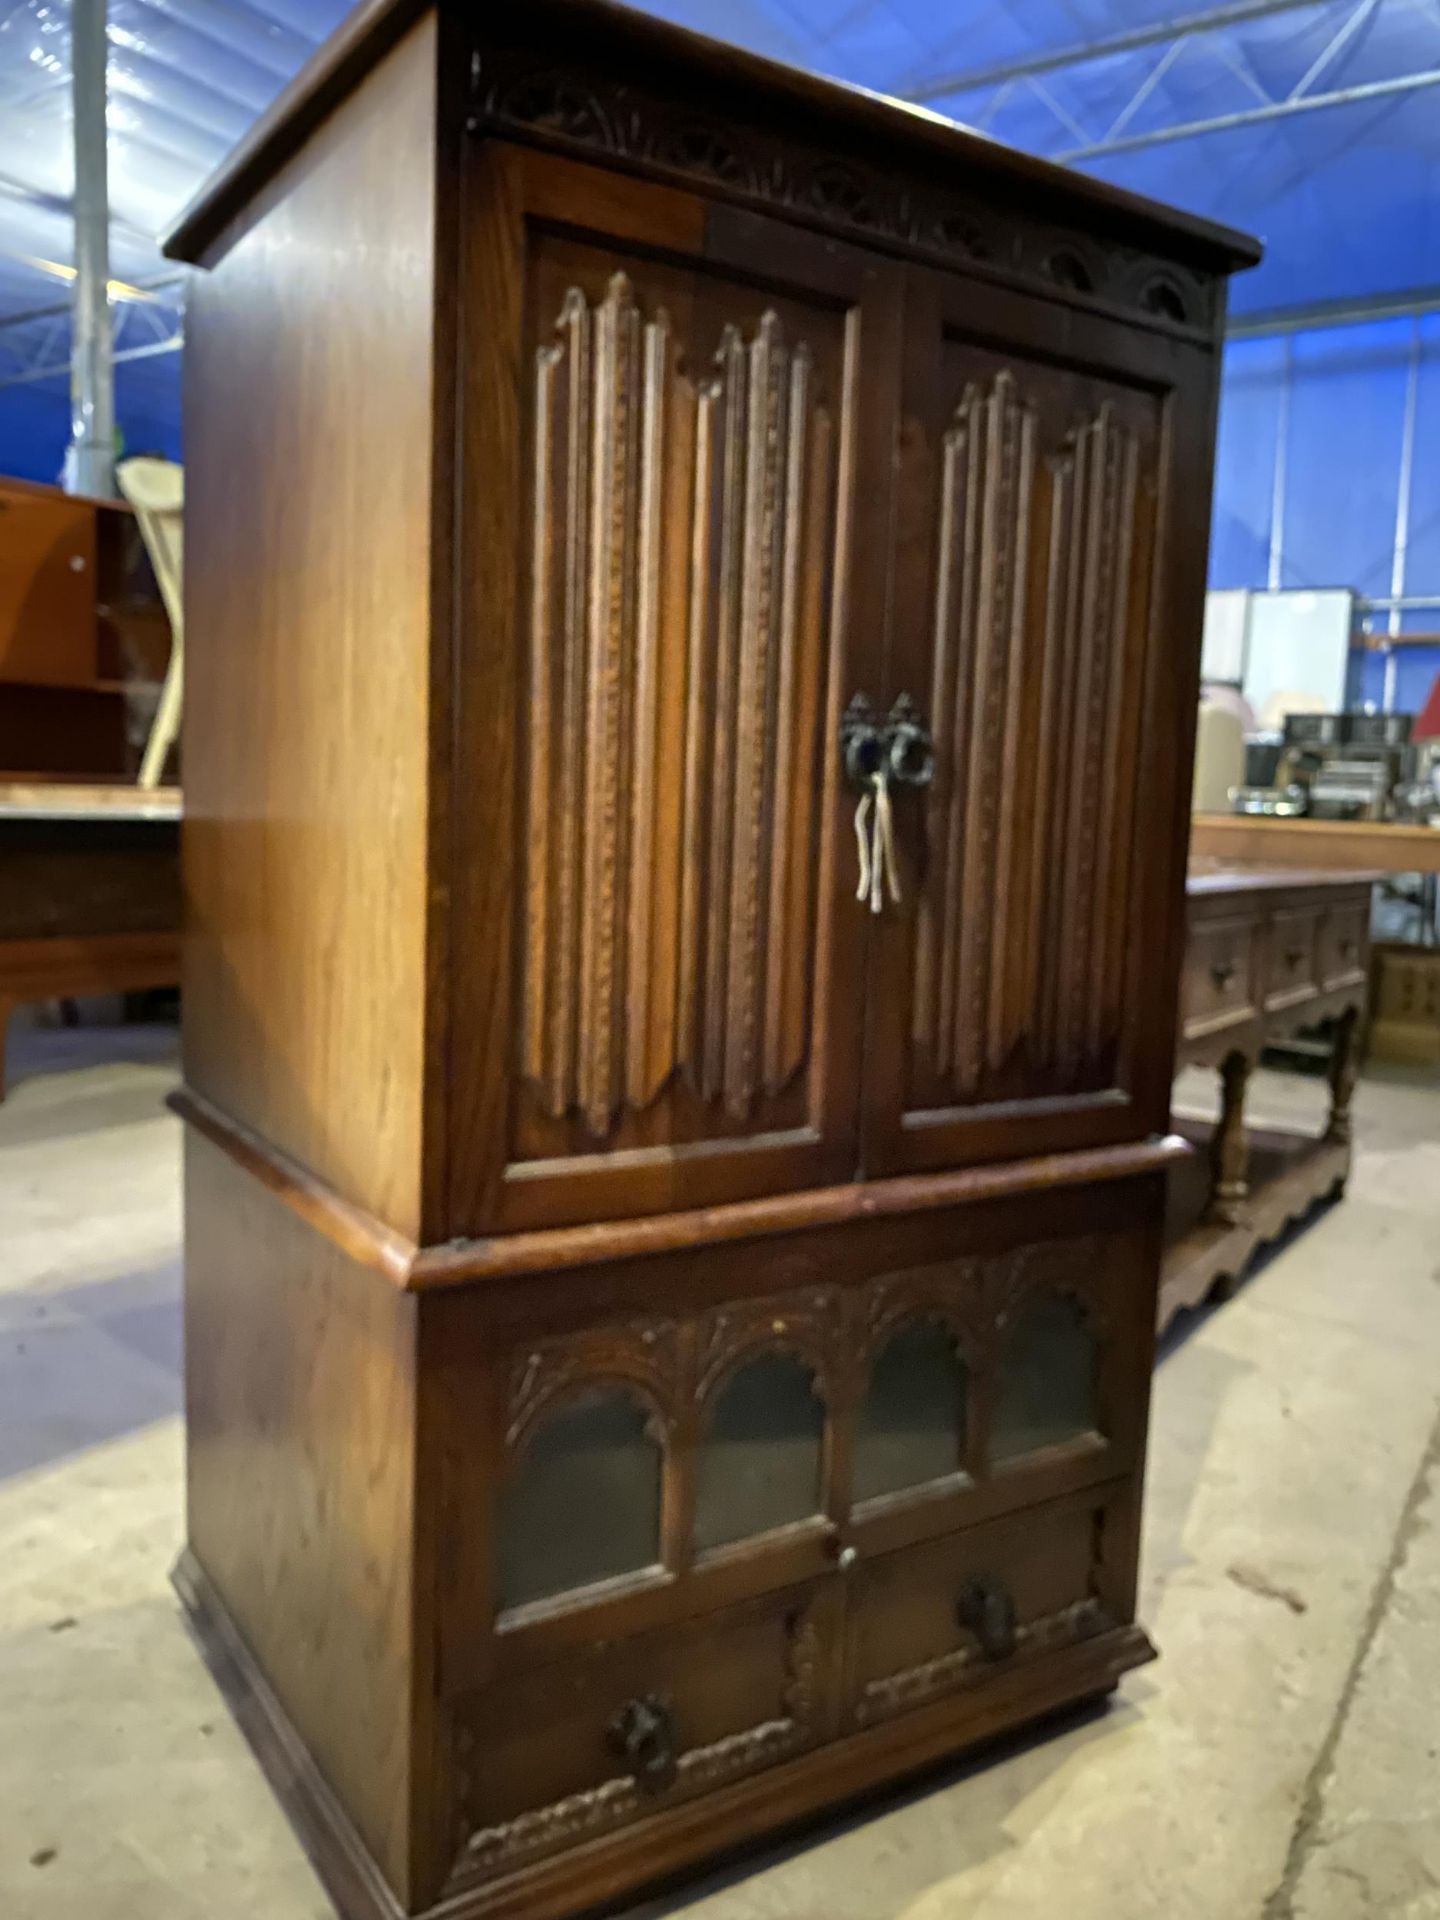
[
  {"x": 1346, "y": 194},
  {"x": 1316, "y": 126}
]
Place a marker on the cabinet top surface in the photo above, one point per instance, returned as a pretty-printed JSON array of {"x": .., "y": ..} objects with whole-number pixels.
[
  {"x": 904, "y": 137},
  {"x": 1353, "y": 848},
  {"x": 24, "y": 491},
  {"x": 1207, "y": 878}
]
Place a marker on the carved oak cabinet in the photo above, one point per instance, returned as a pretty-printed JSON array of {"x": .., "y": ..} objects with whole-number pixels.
[{"x": 668, "y": 1339}]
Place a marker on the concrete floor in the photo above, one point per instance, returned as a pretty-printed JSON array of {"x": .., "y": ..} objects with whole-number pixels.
[{"x": 1279, "y": 1763}]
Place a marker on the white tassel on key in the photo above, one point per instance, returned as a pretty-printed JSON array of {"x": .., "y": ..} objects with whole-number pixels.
[
  {"x": 883, "y": 856},
  {"x": 875, "y": 842},
  {"x": 862, "y": 842}
]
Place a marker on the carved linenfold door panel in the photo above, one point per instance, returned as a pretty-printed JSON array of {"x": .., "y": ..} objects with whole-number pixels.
[
  {"x": 1017, "y": 972},
  {"x": 1006, "y": 1005},
  {"x": 680, "y": 559},
  {"x": 698, "y": 571}
]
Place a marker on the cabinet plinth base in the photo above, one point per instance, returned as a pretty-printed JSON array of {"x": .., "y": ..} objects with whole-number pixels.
[
  {"x": 783, "y": 1796},
  {"x": 321, "y": 1824}
]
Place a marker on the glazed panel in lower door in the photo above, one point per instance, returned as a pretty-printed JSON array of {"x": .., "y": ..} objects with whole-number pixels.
[
  {"x": 577, "y": 1748},
  {"x": 988, "y": 1384},
  {"x": 947, "y": 1615},
  {"x": 700, "y": 572}
]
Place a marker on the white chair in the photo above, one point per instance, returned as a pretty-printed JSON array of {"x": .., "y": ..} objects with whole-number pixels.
[
  {"x": 1219, "y": 758},
  {"x": 156, "y": 490},
  {"x": 1290, "y": 700}
]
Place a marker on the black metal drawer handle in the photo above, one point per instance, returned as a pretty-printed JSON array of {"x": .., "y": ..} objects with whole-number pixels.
[
  {"x": 987, "y": 1609},
  {"x": 1222, "y": 973},
  {"x": 877, "y": 756},
  {"x": 862, "y": 744},
  {"x": 909, "y": 749},
  {"x": 897, "y": 751},
  {"x": 1294, "y": 955},
  {"x": 643, "y": 1734}
]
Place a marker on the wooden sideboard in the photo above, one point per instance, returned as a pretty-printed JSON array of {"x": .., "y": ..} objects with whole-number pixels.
[
  {"x": 697, "y": 578},
  {"x": 1268, "y": 952},
  {"x": 1405, "y": 1000},
  {"x": 89, "y": 893}
]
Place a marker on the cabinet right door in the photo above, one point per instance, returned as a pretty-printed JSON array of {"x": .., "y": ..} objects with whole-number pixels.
[{"x": 1052, "y": 521}]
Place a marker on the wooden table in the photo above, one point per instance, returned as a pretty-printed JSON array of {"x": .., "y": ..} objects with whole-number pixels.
[
  {"x": 1336, "y": 846},
  {"x": 1268, "y": 952},
  {"x": 89, "y": 893}
]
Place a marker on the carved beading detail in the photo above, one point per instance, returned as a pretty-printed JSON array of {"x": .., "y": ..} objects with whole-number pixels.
[
  {"x": 805, "y": 1322},
  {"x": 1072, "y": 1269},
  {"x": 677, "y": 523},
  {"x": 521, "y": 95},
  {"x": 801, "y": 1694},
  {"x": 1079, "y": 1621},
  {"x": 912, "y": 1686},
  {"x": 544, "y": 1827},
  {"x": 1106, "y": 453},
  {"x": 950, "y": 1293},
  {"x": 642, "y": 1352}
]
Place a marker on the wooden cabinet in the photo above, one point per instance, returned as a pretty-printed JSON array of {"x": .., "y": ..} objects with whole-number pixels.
[
  {"x": 84, "y": 638},
  {"x": 685, "y": 835}
]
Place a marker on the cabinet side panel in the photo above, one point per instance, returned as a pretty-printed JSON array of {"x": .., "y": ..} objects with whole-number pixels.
[
  {"x": 300, "y": 1399},
  {"x": 309, "y": 441}
]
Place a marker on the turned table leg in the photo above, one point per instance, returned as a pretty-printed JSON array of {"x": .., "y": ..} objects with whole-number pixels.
[
  {"x": 1228, "y": 1153},
  {"x": 1344, "y": 1066}
]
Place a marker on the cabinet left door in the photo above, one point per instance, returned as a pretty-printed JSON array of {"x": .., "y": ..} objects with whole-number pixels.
[{"x": 676, "y": 426}]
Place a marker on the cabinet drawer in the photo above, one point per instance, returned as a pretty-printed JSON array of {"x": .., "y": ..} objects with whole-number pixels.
[
  {"x": 1344, "y": 933},
  {"x": 1219, "y": 984},
  {"x": 1292, "y": 973},
  {"x": 951, "y": 1613},
  {"x": 583, "y": 1745}
]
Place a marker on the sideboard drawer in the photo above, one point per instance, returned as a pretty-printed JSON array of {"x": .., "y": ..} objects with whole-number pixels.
[
  {"x": 1344, "y": 935},
  {"x": 953, "y": 1612},
  {"x": 1219, "y": 984},
  {"x": 1292, "y": 973},
  {"x": 627, "y": 1728}
]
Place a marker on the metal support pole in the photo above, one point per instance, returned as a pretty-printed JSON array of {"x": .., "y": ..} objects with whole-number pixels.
[
  {"x": 1275, "y": 571},
  {"x": 1402, "y": 520},
  {"x": 90, "y": 464},
  {"x": 1406, "y": 481}
]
